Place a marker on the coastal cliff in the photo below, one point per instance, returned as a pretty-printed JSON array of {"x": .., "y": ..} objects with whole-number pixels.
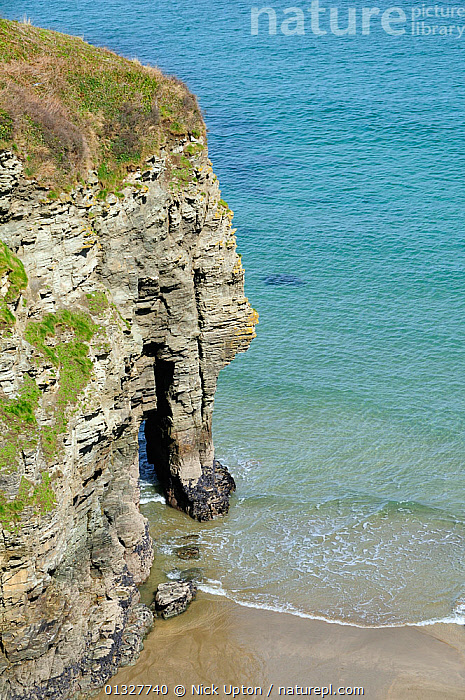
[{"x": 121, "y": 299}]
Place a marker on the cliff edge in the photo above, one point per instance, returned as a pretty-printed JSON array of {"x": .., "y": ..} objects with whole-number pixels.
[{"x": 121, "y": 299}]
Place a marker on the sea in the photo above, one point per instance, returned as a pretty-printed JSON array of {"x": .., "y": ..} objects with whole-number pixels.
[{"x": 343, "y": 158}]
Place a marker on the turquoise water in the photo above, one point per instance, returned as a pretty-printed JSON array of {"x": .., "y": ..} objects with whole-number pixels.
[{"x": 344, "y": 161}]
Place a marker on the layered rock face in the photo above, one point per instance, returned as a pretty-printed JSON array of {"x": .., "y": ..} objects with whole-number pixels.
[{"x": 113, "y": 312}]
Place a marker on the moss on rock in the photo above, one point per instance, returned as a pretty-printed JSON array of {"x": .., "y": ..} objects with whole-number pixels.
[
  {"x": 40, "y": 497},
  {"x": 13, "y": 279},
  {"x": 20, "y": 433},
  {"x": 70, "y": 356},
  {"x": 18, "y": 425}
]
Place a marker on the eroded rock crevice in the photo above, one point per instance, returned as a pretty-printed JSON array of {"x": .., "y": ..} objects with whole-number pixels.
[{"x": 202, "y": 498}]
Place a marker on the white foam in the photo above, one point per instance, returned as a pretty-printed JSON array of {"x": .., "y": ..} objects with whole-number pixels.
[
  {"x": 216, "y": 588},
  {"x": 153, "y": 498},
  {"x": 173, "y": 575},
  {"x": 165, "y": 549}
]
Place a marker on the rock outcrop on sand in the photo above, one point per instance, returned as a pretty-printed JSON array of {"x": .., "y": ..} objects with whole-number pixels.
[
  {"x": 172, "y": 599},
  {"x": 115, "y": 308}
]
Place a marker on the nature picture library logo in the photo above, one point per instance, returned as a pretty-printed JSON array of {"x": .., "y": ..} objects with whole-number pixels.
[{"x": 320, "y": 20}]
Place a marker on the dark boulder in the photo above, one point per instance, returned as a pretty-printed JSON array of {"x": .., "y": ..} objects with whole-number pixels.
[
  {"x": 195, "y": 574},
  {"x": 188, "y": 552}
]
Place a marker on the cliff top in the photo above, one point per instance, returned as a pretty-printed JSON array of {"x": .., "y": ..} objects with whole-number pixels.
[{"x": 67, "y": 108}]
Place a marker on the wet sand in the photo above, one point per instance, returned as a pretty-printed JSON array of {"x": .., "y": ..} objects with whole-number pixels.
[{"x": 217, "y": 641}]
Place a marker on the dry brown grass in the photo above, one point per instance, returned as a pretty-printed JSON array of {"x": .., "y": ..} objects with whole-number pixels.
[
  {"x": 46, "y": 122},
  {"x": 67, "y": 107}
]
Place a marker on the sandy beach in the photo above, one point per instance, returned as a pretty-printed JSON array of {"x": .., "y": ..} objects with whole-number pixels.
[{"x": 219, "y": 642}]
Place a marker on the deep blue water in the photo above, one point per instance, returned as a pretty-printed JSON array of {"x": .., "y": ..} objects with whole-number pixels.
[{"x": 344, "y": 161}]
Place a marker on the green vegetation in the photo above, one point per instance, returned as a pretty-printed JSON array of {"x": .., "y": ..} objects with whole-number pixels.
[
  {"x": 17, "y": 277},
  {"x": 13, "y": 268},
  {"x": 118, "y": 313},
  {"x": 63, "y": 340},
  {"x": 98, "y": 303},
  {"x": 193, "y": 149},
  {"x": 18, "y": 425},
  {"x": 20, "y": 432},
  {"x": 40, "y": 497},
  {"x": 7, "y": 319},
  {"x": 38, "y": 331},
  {"x": 6, "y": 126},
  {"x": 71, "y": 358},
  {"x": 182, "y": 171},
  {"x": 67, "y": 107}
]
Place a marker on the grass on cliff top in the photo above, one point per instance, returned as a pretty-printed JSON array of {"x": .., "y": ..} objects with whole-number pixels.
[{"x": 67, "y": 107}]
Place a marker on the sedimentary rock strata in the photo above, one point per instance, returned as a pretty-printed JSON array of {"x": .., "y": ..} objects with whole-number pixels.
[{"x": 114, "y": 311}]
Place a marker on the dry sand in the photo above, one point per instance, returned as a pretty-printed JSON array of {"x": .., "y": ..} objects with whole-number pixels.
[{"x": 217, "y": 641}]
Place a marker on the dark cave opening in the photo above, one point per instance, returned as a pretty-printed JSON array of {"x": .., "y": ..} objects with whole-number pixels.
[
  {"x": 155, "y": 442},
  {"x": 146, "y": 469}
]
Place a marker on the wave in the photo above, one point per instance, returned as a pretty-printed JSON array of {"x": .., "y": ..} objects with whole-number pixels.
[
  {"x": 369, "y": 506},
  {"x": 214, "y": 587},
  {"x": 152, "y": 498}
]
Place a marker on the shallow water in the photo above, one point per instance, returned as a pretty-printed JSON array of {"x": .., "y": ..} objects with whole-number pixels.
[
  {"x": 343, "y": 425},
  {"x": 353, "y": 559}
]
